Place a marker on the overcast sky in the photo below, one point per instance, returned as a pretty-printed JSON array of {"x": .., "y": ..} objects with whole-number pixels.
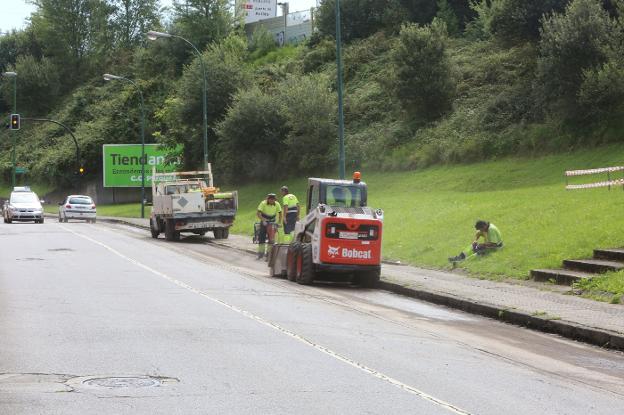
[{"x": 13, "y": 13}]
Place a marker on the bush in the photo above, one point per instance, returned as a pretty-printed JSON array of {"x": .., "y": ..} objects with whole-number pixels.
[
  {"x": 251, "y": 137},
  {"x": 360, "y": 18},
  {"x": 571, "y": 44},
  {"x": 518, "y": 21},
  {"x": 262, "y": 42},
  {"x": 423, "y": 82}
]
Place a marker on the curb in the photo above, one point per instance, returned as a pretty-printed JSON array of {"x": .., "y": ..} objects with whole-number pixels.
[
  {"x": 602, "y": 338},
  {"x": 570, "y": 330}
]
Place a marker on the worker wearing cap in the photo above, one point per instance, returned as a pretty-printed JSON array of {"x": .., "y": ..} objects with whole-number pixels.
[
  {"x": 492, "y": 241},
  {"x": 269, "y": 213},
  {"x": 290, "y": 205}
]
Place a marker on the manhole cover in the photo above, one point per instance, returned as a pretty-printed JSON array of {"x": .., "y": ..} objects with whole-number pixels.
[{"x": 123, "y": 382}]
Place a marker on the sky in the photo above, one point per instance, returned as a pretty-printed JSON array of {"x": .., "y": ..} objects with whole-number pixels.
[{"x": 13, "y": 13}]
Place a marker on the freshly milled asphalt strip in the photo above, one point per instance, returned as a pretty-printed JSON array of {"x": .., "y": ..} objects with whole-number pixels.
[{"x": 410, "y": 389}]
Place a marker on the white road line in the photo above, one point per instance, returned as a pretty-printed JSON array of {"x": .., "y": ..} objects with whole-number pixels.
[{"x": 450, "y": 407}]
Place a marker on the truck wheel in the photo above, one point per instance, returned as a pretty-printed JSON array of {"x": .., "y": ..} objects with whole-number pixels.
[
  {"x": 154, "y": 229},
  {"x": 225, "y": 233},
  {"x": 217, "y": 233},
  {"x": 368, "y": 279},
  {"x": 305, "y": 266},
  {"x": 291, "y": 261},
  {"x": 170, "y": 232}
]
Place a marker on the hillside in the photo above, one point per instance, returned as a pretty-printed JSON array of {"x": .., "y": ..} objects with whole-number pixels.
[{"x": 463, "y": 85}]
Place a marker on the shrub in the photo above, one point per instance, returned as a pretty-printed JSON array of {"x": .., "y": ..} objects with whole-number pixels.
[
  {"x": 571, "y": 44},
  {"x": 251, "y": 137},
  {"x": 423, "y": 82},
  {"x": 518, "y": 21}
]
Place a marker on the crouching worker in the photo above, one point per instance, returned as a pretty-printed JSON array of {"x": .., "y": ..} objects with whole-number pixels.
[
  {"x": 270, "y": 214},
  {"x": 492, "y": 241}
]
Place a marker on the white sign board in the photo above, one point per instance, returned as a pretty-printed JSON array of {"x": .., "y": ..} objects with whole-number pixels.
[{"x": 255, "y": 10}]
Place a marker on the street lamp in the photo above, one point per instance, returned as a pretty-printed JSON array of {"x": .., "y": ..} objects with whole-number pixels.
[
  {"x": 153, "y": 35},
  {"x": 340, "y": 104},
  {"x": 109, "y": 77},
  {"x": 284, "y": 6},
  {"x": 14, "y": 76}
]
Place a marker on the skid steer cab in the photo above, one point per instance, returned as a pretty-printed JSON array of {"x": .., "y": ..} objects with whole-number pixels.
[{"x": 339, "y": 237}]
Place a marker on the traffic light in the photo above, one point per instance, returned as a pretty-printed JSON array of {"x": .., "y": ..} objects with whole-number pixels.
[
  {"x": 81, "y": 171},
  {"x": 15, "y": 122}
]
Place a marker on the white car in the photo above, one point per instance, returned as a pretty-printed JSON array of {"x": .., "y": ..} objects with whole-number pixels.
[
  {"x": 77, "y": 207},
  {"x": 23, "y": 205}
]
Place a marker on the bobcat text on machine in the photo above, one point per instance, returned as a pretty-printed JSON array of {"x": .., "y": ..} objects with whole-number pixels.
[
  {"x": 184, "y": 202},
  {"x": 339, "y": 235}
]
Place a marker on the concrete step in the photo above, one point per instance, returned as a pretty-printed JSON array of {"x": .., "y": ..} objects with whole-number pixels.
[
  {"x": 597, "y": 266},
  {"x": 609, "y": 254},
  {"x": 559, "y": 276}
]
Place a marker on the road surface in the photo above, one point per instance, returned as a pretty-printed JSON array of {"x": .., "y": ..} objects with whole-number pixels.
[{"x": 103, "y": 319}]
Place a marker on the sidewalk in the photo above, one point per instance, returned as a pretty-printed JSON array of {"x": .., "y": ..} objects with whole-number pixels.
[{"x": 536, "y": 306}]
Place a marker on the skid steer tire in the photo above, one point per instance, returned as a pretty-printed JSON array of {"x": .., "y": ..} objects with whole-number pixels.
[
  {"x": 291, "y": 261},
  {"x": 368, "y": 279},
  {"x": 305, "y": 265}
]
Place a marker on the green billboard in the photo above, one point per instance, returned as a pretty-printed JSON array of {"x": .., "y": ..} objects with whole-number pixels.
[{"x": 122, "y": 164}]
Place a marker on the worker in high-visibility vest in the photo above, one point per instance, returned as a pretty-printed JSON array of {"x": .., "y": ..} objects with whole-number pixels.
[
  {"x": 269, "y": 213},
  {"x": 290, "y": 204},
  {"x": 492, "y": 241}
]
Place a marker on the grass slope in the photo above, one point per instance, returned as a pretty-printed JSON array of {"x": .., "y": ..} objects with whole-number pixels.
[{"x": 430, "y": 214}]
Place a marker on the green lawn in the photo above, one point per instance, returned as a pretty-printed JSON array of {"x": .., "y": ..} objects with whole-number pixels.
[{"x": 430, "y": 214}]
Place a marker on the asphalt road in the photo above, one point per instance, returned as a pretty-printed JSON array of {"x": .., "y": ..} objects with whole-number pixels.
[{"x": 102, "y": 319}]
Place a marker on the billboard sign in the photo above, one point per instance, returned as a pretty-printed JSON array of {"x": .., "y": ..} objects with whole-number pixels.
[
  {"x": 122, "y": 164},
  {"x": 255, "y": 10}
]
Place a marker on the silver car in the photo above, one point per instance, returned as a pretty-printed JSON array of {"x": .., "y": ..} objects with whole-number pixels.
[
  {"x": 77, "y": 207},
  {"x": 22, "y": 206}
]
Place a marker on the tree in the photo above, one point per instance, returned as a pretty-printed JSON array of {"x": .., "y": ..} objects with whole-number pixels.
[
  {"x": 73, "y": 34},
  {"x": 131, "y": 19},
  {"x": 309, "y": 107},
  {"x": 360, "y": 18},
  {"x": 202, "y": 21},
  {"x": 181, "y": 113},
  {"x": 448, "y": 16},
  {"x": 518, "y": 21},
  {"x": 423, "y": 81},
  {"x": 251, "y": 137},
  {"x": 571, "y": 44},
  {"x": 38, "y": 85}
]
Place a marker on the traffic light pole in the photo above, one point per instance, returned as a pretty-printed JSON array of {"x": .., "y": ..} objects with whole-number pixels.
[{"x": 66, "y": 129}]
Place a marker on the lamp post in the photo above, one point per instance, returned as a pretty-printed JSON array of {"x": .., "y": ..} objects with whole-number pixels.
[
  {"x": 285, "y": 9},
  {"x": 153, "y": 35},
  {"x": 109, "y": 77},
  {"x": 14, "y": 76},
  {"x": 341, "y": 145}
]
